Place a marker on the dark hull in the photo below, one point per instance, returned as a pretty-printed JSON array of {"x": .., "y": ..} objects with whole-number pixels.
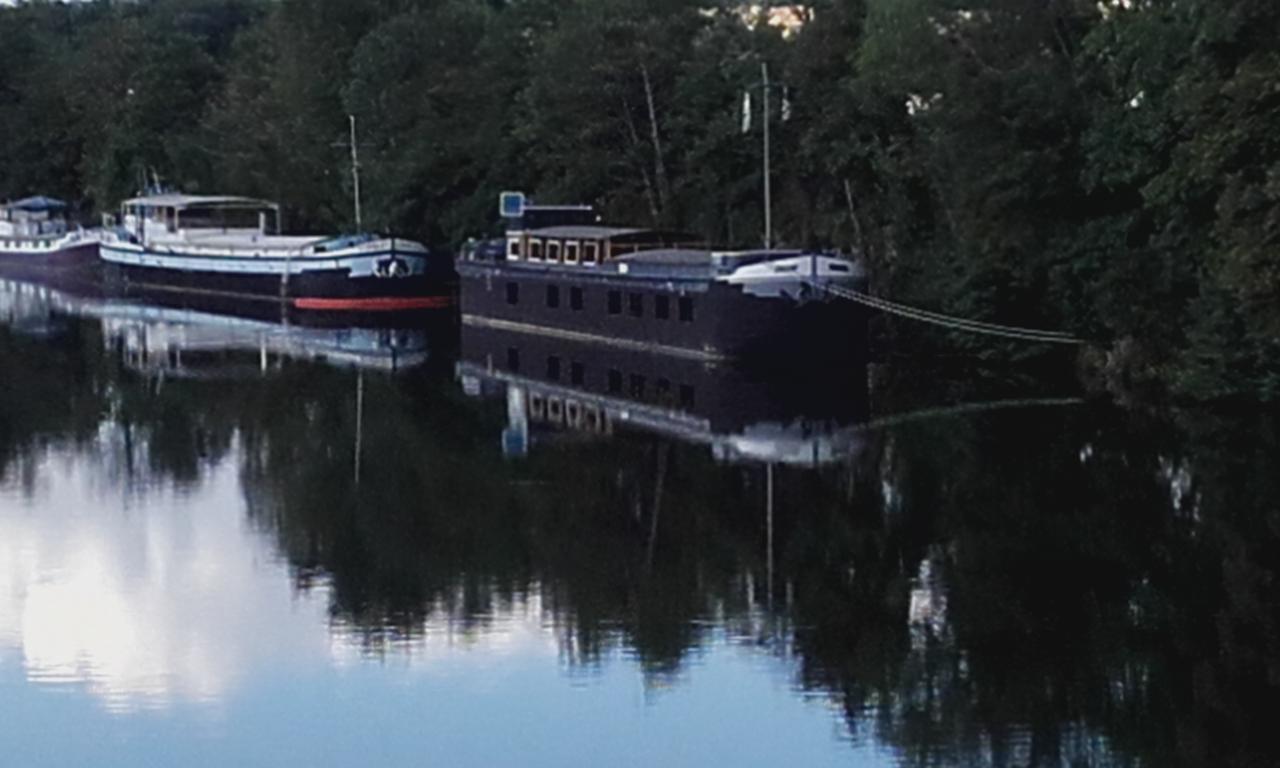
[
  {"x": 72, "y": 267},
  {"x": 722, "y": 322},
  {"x": 442, "y": 327},
  {"x": 319, "y": 291}
]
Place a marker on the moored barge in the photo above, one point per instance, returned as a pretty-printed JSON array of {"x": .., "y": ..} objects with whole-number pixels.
[
  {"x": 227, "y": 245},
  {"x": 38, "y": 242},
  {"x": 558, "y": 271}
]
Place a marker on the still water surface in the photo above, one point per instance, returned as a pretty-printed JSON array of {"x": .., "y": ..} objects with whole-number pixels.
[{"x": 225, "y": 541}]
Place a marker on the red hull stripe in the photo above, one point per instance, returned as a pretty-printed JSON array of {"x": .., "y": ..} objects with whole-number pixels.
[{"x": 375, "y": 304}]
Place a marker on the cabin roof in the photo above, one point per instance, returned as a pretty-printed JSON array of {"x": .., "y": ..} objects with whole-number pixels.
[
  {"x": 199, "y": 201},
  {"x": 36, "y": 204},
  {"x": 673, "y": 257},
  {"x": 619, "y": 235},
  {"x": 584, "y": 232}
]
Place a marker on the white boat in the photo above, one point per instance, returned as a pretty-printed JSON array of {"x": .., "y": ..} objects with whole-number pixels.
[
  {"x": 36, "y": 239},
  {"x": 228, "y": 245}
]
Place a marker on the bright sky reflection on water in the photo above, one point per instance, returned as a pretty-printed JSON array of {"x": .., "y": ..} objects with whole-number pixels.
[{"x": 157, "y": 626}]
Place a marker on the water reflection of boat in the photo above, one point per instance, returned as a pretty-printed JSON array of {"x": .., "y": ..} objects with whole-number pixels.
[
  {"x": 558, "y": 390},
  {"x": 186, "y": 341}
]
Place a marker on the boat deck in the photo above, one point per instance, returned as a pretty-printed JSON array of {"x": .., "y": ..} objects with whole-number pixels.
[{"x": 233, "y": 239}]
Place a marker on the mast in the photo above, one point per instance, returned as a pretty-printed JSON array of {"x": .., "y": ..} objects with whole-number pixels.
[
  {"x": 355, "y": 173},
  {"x": 768, "y": 185}
]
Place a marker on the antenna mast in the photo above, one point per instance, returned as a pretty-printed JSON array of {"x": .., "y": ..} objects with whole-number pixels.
[
  {"x": 768, "y": 181},
  {"x": 355, "y": 173}
]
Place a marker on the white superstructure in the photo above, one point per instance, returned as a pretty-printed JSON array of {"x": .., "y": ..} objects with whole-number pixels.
[
  {"x": 37, "y": 226},
  {"x": 233, "y": 235}
]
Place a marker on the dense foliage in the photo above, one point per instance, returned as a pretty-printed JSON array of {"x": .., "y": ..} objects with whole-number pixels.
[{"x": 1108, "y": 168}]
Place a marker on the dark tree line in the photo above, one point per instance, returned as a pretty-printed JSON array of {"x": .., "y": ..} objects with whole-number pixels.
[{"x": 1106, "y": 168}]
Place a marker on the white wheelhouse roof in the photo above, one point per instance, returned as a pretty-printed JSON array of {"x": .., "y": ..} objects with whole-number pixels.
[{"x": 182, "y": 202}]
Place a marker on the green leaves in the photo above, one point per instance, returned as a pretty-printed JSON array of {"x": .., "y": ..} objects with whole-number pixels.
[{"x": 1112, "y": 170}]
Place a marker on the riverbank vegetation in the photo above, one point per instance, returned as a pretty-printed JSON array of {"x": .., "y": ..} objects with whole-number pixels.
[{"x": 1111, "y": 169}]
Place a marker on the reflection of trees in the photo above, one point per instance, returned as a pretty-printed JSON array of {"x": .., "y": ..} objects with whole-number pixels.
[
  {"x": 440, "y": 524},
  {"x": 48, "y": 393},
  {"x": 1042, "y": 588},
  {"x": 1073, "y": 608},
  {"x": 1049, "y": 587},
  {"x": 72, "y": 389}
]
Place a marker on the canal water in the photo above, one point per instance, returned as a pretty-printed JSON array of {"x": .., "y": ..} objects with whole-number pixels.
[{"x": 230, "y": 541}]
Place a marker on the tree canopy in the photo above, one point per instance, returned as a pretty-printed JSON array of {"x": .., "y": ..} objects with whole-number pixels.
[{"x": 1110, "y": 169}]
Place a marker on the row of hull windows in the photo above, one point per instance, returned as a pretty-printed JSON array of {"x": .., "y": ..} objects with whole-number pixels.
[
  {"x": 40, "y": 244},
  {"x": 635, "y": 302},
  {"x": 635, "y": 386},
  {"x": 555, "y": 251}
]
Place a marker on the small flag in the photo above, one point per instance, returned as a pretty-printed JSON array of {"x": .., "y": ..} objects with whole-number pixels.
[
  {"x": 746, "y": 111},
  {"x": 786, "y": 104}
]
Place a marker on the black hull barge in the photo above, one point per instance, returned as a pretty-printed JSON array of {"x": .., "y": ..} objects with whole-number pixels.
[
  {"x": 658, "y": 292},
  {"x": 328, "y": 290}
]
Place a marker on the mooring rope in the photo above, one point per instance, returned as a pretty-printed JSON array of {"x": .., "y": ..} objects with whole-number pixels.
[{"x": 952, "y": 323}]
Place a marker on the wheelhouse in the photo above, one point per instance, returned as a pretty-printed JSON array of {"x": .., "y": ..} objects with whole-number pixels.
[
  {"x": 589, "y": 245},
  {"x": 174, "y": 214},
  {"x": 571, "y": 236}
]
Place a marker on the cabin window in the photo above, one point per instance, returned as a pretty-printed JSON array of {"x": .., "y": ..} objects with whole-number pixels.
[
  {"x": 537, "y": 407},
  {"x": 686, "y": 309},
  {"x": 637, "y": 386},
  {"x": 513, "y": 293},
  {"x": 573, "y": 414},
  {"x": 837, "y": 267},
  {"x": 553, "y": 368},
  {"x": 535, "y": 250},
  {"x": 553, "y": 297},
  {"x": 686, "y": 396},
  {"x": 635, "y": 304},
  {"x": 577, "y": 374},
  {"x": 615, "y": 382},
  {"x": 576, "y": 301},
  {"x": 513, "y": 359},
  {"x": 553, "y": 251},
  {"x": 570, "y": 253},
  {"x": 555, "y": 410},
  {"x": 615, "y": 302},
  {"x": 513, "y": 249},
  {"x": 662, "y": 388},
  {"x": 590, "y": 253},
  {"x": 662, "y": 307}
]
